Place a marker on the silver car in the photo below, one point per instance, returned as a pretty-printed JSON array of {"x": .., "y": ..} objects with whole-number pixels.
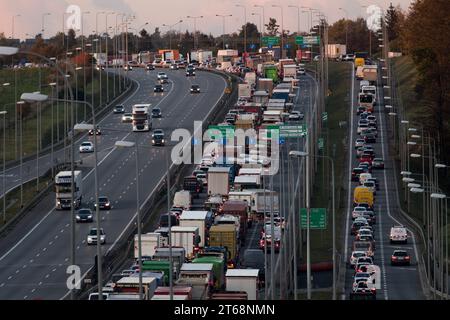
[
  {"x": 87, "y": 147},
  {"x": 92, "y": 237}
]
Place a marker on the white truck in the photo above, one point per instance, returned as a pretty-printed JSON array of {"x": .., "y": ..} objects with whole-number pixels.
[
  {"x": 218, "y": 181},
  {"x": 182, "y": 199},
  {"x": 273, "y": 116},
  {"x": 130, "y": 285},
  {"x": 196, "y": 219},
  {"x": 245, "y": 280},
  {"x": 63, "y": 189},
  {"x": 199, "y": 276},
  {"x": 150, "y": 242},
  {"x": 290, "y": 71},
  {"x": 245, "y": 91},
  {"x": 186, "y": 237},
  {"x": 250, "y": 78},
  {"x": 141, "y": 119},
  {"x": 271, "y": 201},
  {"x": 247, "y": 182}
]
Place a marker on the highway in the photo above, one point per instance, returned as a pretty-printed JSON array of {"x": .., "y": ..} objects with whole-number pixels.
[
  {"x": 397, "y": 282},
  {"x": 35, "y": 255}
]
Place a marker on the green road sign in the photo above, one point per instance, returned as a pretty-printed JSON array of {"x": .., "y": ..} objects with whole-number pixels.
[
  {"x": 321, "y": 144},
  {"x": 227, "y": 132},
  {"x": 325, "y": 116},
  {"x": 270, "y": 41},
  {"x": 318, "y": 218},
  {"x": 307, "y": 40},
  {"x": 270, "y": 129},
  {"x": 293, "y": 131}
]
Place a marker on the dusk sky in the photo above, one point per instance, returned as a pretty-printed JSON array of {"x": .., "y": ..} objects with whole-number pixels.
[{"x": 169, "y": 12}]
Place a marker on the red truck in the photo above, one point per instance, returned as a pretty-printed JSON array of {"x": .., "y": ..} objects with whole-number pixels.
[{"x": 240, "y": 209}]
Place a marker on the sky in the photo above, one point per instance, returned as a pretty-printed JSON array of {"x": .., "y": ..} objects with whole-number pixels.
[{"x": 157, "y": 13}]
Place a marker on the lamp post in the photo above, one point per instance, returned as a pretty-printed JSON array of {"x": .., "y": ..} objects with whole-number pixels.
[
  {"x": 346, "y": 26},
  {"x": 98, "y": 41},
  {"x": 223, "y": 18},
  {"x": 260, "y": 27},
  {"x": 298, "y": 18},
  {"x": 195, "y": 29},
  {"x": 170, "y": 33},
  {"x": 83, "y": 46},
  {"x": 107, "y": 51},
  {"x": 13, "y": 25},
  {"x": 245, "y": 29},
  {"x": 139, "y": 30},
  {"x": 4, "y": 113},
  {"x": 43, "y": 23},
  {"x": 283, "y": 55},
  {"x": 263, "y": 18}
]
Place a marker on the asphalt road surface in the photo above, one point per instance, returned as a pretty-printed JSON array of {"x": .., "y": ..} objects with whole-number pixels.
[
  {"x": 397, "y": 282},
  {"x": 34, "y": 257}
]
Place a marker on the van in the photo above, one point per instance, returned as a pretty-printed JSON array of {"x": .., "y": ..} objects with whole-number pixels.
[{"x": 363, "y": 195}]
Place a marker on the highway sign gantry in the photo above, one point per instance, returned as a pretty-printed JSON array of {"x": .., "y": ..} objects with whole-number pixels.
[
  {"x": 307, "y": 40},
  {"x": 317, "y": 218},
  {"x": 271, "y": 41},
  {"x": 227, "y": 131}
]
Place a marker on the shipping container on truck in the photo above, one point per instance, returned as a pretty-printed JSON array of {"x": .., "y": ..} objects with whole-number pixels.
[
  {"x": 271, "y": 72},
  {"x": 188, "y": 238},
  {"x": 283, "y": 94},
  {"x": 219, "y": 181},
  {"x": 150, "y": 242},
  {"x": 178, "y": 291},
  {"x": 271, "y": 202},
  {"x": 178, "y": 257},
  {"x": 261, "y": 97},
  {"x": 239, "y": 209},
  {"x": 245, "y": 91},
  {"x": 245, "y": 280},
  {"x": 130, "y": 285},
  {"x": 265, "y": 84},
  {"x": 370, "y": 73},
  {"x": 170, "y": 55},
  {"x": 182, "y": 199},
  {"x": 162, "y": 267},
  {"x": 197, "y": 219},
  {"x": 218, "y": 269},
  {"x": 290, "y": 71},
  {"x": 226, "y": 236},
  {"x": 247, "y": 182},
  {"x": 198, "y": 276},
  {"x": 334, "y": 51}
]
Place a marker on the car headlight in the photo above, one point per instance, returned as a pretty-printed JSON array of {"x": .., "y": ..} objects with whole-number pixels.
[
  {"x": 90, "y": 217},
  {"x": 153, "y": 141},
  {"x": 163, "y": 141}
]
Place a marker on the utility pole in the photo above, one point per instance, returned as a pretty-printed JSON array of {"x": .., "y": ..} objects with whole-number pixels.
[{"x": 224, "y": 17}]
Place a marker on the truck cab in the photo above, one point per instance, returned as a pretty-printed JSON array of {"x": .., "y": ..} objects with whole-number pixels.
[{"x": 63, "y": 189}]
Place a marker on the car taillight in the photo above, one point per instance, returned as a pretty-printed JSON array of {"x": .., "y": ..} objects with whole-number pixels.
[
  {"x": 394, "y": 258},
  {"x": 261, "y": 242},
  {"x": 406, "y": 258}
]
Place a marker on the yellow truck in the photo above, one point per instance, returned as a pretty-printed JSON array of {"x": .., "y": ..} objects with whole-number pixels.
[
  {"x": 360, "y": 62},
  {"x": 363, "y": 195},
  {"x": 224, "y": 235}
]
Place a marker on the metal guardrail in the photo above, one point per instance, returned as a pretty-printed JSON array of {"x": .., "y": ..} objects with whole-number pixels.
[{"x": 115, "y": 258}]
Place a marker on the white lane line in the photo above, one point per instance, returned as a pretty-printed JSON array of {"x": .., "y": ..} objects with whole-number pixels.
[
  {"x": 54, "y": 270},
  {"x": 24, "y": 266},
  {"x": 32, "y": 291},
  {"x": 40, "y": 283},
  {"x": 47, "y": 276},
  {"x": 10, "y": 277},
  {"x": 45, "y": 249},
  {"x": 25, "y": 298},
  {"x": 350, "y": 163},
  {"x": 31, "y": 261},
  {"x": 383, "y": 265},
  {"x": 17, "y": 271}
]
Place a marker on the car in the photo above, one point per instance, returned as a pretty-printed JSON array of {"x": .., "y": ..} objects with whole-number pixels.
[
  {"x": 203, "y": 177},
  {"x": 363, "y": 177},
  {"x": 373, "y": 125},
  {"x": 92, "y": 236},
  {"x": 361, "y": 267},
  {"x": 366, "y": 157},
  {"x": 378, "y": 163},
  {"x": 119, "y": 109},
  {"x": 362, "y": 127},
  {"x": 156, "y": 112},
  {"x": 317, "y": 58},
  {"x": 84, "y": 215},
  {"x": 354, "y": 257},
  {"x": 296, "y": 116},
  {"x": 174, "y": 66},
  {"x": 158, "y": 88},
  {"x": 365, "y": 166},
  {"x": 370, "y": 216},
  {"x": 370, "y": 138},
  {"x": 359, "y": 151},
  {"x": 357, "y": 212},
  {"x": 190, "y": 72},
  {"x": 368, "y": 238},
  {"x": 356, "y": 226},
  {"x": 398, "y": 234},
  {"x": 361, "y": 110},
  {"x": 362, "y": 233},
  {"x": 87, "y": 147},
  {"x": 371, "y": 185},
  {"x": 161, "y": 75},
  {"x": 356, "y": 172},
  {"x": 158, "y": 138},
  {"x": 360, "y": 277},
  {"x": 365, "y": 205},
  {"x": 377, "y": 184},
  {"x": 348, "y": 57},
  {"x": 301, "y": 71},
  {"x": 372, "y": 118},
  {"x": 150, "y": 67},
  {"x": 363, "y": 291},
  {"x": 359, "y": 143},
  {"x": 97, "y": 132},
  {"x": 177, "y": 211},
  {"x": 400, "y": 257},
  {"x": 372, "y": 131},
  {"x": 127, "y": 118},
  {"x": 103, "y": 203},
  {"x": 195, "y": 88},
  {"x": 128, "y": 68},
  {"x": 254, "y": 259},
  {"x": 266, "y": 240}
]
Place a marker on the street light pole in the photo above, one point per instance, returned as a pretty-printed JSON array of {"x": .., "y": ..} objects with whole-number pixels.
[
  {"x": 282, "y": 30},
  {"x": 43, "y": 23},
  {"x": 346, "y": 27},
  {"x": 3, "y": 113},
  {"x": 223, "y": 35},
  {"x": 107, "y": 58},
  {"x": 263, "y": 18},
  {"x": 195, "y": 29},
  {"x": 13, "y": 25},
  {"x": 245, "y": 29}
]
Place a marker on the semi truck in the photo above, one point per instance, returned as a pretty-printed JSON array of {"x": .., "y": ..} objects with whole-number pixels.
[
  {"x": 188, "y": 238},
  {"x": 243, "y": 280},
  {"x": 183, "y": 200},
  {"x": 141, "y": 120},
  {"x": 150, "y": 242},
  {"x": 226, "y": 236},
  {"x": 219, "y": 181},
  {"x": 63, "y": 189},
  {"x": 199, "y": 276},
  {"x": 130, "y": 285},
  {"x": 197, "y": 219},
  {"x": 218, "y": 269}
]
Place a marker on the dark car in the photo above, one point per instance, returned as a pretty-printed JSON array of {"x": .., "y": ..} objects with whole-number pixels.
[
  {"x": 254, "y": 259},
  {"x": 400, "y": 257},
  {"x": 103, "y": 203},
  {"x": 355, "y": 227},
  {"x": 366, "y": 167},
  {"x": 378, "y": 163},
  {"x": 85, "y": 215},
  {"x": 164, "y": 221},
  {"x": 156, "y": 113},
  {"x": 195, "y": 88},
  {"x": 193, "y": 185},
  {"x": 97, "y": 132},
  {"x": 150, "y": 67},
  {"x": 119, "y": 109},
  {"x": 158, "y": 88},
  {"x": 370, "y": 138},
  {"x": 356, "y": 172},
  {"x": 158, "y": 138},
  {"x": 190, "y": 72}
]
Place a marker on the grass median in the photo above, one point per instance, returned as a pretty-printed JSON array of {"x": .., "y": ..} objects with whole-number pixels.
[{"x": 335, "y": 137}]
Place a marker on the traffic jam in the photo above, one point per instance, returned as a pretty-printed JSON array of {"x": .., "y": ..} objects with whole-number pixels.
[{"x": 366, "y": 279}]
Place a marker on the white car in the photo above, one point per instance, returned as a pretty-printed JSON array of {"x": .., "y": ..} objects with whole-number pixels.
[
  {"x": 87, "y": 147},
  {"x": 358, "y": 211},
  {"x": 359, "y": 143},
  {"x": 301, "y": 71},
  {"x": 398, "y": 234},
  {"x": 161, "y": 75},
  {"x": 127, "y": 118},
  {"x": 355, "y": 256},
  {"x": 363, "y": 177},
  {"x": 92, "y": 237},
  {"x": 296, "y": 116}
]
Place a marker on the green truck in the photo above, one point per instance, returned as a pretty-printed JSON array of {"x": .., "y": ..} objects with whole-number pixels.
[
  {"x": 159, "y": 267},
  {"x": 271, "y": 72},
  {"x": 218, "y": 268}
]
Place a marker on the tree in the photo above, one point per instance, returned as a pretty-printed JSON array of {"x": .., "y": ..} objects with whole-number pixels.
[
  {"x": 395, "y": 19},
  {"x": 252, "y": 31},
  {"x": 272, "y": 27}
]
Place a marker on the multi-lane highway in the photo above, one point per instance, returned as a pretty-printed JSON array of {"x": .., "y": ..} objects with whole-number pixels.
[
  {"x": 397, "y": 282},
  {"x": 35, "y": 255}
]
